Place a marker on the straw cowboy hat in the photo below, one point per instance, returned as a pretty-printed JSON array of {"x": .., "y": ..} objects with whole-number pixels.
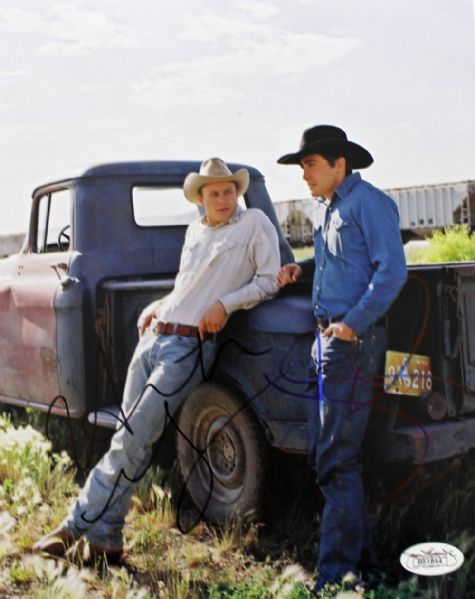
[
  {"x": 214, "y": 170},
  {"x": 330, "y": 140}
]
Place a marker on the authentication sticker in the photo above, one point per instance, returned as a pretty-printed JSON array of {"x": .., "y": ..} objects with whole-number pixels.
[{"x": 431, "y": 559}]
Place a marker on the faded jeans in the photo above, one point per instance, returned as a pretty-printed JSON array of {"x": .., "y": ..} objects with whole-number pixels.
[
  {"x": 338, "y": 419},
  {"x": 171, "y": 363}
]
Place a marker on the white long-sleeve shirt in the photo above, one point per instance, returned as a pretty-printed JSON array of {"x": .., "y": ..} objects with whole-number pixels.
[{"x": 236, "y": 263}]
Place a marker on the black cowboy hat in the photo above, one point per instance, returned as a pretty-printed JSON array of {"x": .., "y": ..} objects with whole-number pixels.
[{"x": 332, "y": 141}]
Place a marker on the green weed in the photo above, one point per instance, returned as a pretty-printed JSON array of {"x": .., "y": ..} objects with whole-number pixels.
[
  {"x": 29, "y": 473},
  {"x": 453, "y": 244},
  {"x": 253, "y": 589},
  {"x": 302, "y": 253}
]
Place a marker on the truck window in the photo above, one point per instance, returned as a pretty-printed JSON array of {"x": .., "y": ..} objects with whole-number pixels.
[
  {"x": 162, "y": 206},
  {"x": 54, "y": 222}
]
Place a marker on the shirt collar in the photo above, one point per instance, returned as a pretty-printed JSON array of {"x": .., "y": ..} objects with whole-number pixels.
[
  {"x": 234, "y": 218},
  {"x": 347, "y": 185}
]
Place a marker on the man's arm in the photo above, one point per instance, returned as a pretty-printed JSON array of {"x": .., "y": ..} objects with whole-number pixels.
[
  {"x": 380, "y": 223},
  {"x": 294, "y": 271},
  {"x": 265, "y": 256},
  {"x": 151, "y": 311}
]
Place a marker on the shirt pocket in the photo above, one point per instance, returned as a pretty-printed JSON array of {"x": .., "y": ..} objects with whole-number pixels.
[
  {"x": 187, "y": 254},
  {"x": 340, "y": 231},
  {"x": 219, "y": 249}
]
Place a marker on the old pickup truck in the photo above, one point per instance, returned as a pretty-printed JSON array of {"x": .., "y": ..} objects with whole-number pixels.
[{"x": 104, "y": 244}]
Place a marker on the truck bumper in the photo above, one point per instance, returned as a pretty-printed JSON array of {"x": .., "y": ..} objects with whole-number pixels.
[
  {"x": 410, "y": 444},
  {"x": 422, "y": 444}
]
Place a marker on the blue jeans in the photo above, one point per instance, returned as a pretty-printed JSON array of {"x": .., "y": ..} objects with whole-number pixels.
[
  {"x": 172, "y": 365},
  {"x": 338, "y": 422}
]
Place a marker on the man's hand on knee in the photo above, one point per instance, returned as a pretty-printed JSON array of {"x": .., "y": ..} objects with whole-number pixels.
[{"x": 213, "y": 319}]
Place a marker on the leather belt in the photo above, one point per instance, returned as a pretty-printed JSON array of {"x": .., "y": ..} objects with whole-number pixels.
[{"x": 184, "y": 330}]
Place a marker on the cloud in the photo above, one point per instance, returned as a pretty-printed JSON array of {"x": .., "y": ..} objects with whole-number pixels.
[
  {"x": 17, "y": 134},
  {"x": 257, "y": 10},
  {"x": 241, "y": 55},
  {"x": 260, "y": 46},
  {"x": 12, "y": 74},
  {"x": 9, "y": 78},
  {"x": 201, "y": 82},
  {"x": 221, "y": 29},
  {"x": 71, "y": 30},
  {"x": 473, "y": 16}
]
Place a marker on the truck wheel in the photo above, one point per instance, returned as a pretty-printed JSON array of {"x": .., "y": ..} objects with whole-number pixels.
[{"x": 223, "y": 457}]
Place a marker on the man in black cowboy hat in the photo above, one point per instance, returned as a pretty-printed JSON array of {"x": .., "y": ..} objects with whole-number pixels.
[{"x": 359, "y": 269}]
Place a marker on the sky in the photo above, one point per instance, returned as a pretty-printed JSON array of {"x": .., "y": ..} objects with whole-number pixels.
[{"x": 90, "y": 81}]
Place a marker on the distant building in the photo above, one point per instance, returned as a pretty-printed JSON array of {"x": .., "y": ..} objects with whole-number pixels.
[{"x": 296, "y": 220}]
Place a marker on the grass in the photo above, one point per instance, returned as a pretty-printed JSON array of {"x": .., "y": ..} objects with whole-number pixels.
[
  {"x": 302, "y": 253},
  {"x": 272, "y": 559}
]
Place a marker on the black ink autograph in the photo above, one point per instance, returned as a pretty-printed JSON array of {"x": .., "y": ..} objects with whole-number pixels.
[
  {"x": 280, "y": 383},
  {"x": 201, "y": 453},
  {"x": 432, "y": 559}
]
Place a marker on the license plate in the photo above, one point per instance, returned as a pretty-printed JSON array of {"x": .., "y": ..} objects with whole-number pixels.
[{"x": 407, "y": 374}]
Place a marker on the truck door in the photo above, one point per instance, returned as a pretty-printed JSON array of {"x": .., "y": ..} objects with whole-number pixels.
[{"x": 32, "y": 285}]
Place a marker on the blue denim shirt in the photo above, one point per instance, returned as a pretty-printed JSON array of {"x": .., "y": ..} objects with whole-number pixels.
[{"x": 359, "y": 259}]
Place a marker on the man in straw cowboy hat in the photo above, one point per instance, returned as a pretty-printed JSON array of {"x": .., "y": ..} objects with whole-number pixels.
[
  {"x": 359, "y": 269},
  {"x": 230, "y": 260}
]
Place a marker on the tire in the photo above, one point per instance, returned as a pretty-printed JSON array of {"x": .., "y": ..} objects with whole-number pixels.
[{"x": 226, "y": 477}]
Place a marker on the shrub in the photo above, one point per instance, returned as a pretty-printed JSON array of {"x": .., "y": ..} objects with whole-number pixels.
[
  {"x": 453, "y": 244},
  {"x": 28, "y": 472}
]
